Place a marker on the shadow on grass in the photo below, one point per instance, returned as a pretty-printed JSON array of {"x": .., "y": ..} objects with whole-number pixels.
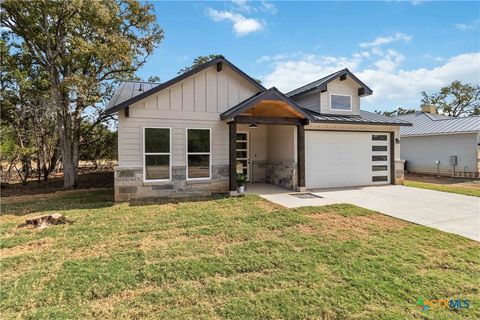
[
  {"x": 157, "y": 201},
  {"x": 58, "y": 201},
  {"x": 87, "y": 180}
]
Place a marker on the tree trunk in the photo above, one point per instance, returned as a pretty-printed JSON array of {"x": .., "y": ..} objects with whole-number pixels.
[{"x": 67, "y": 144}]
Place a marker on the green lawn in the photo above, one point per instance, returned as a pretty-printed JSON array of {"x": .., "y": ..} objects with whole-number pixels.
[
  {"x": 465, "y": 190},
  {"x": 238, "y": 258}
]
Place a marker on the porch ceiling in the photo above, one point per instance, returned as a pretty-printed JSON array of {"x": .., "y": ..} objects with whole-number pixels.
[{"x": 272, "y": 108}]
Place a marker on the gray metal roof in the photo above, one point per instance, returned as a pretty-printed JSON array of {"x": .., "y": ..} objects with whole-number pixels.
[
  {"x": 365, "y": 117},
  {"x": 321, "y": 84},
  {"x": 430, "y": 124},
  {"x": 128, "y": 90}
]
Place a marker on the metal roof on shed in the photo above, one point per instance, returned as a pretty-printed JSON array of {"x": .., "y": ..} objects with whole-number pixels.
[{"x": 430, "y": 124}]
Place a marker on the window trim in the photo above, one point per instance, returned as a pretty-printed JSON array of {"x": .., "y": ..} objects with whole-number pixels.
[
  {"x": 198, "y": 153},
  {"x": 144, "y": 156},
  {"x": 342, "y": 95}
]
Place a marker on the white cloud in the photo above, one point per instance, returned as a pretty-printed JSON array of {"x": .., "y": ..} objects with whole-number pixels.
[
  {"x": 254, "y": 6},
  {"x": 391, "y": 85},
  {"x": 242, "y": 5},
  {"x": 241, "y": 25},
  {"x": 292, "y": 73},
  {"x": 417, "y": 2},
  {"x": 268, "y": 7},
  {"x": 467, "y": 26},
  {"x": 386, "y": 40},
  {"x": 403, "y": 87}
]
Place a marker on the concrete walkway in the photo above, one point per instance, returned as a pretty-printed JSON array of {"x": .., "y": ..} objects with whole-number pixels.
[{"x": 444, "y": 211}]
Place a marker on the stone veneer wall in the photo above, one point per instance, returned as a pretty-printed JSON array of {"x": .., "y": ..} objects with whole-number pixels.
[
  {"x": 282, "y": 174},
  {"x": 399, "y": 171},
  {"x": 129, "y": 184}
]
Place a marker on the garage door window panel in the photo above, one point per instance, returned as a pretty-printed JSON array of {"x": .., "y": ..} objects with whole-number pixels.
[
  {"x": 379, "y": 158},
  {"x": 379, "y": 148},
  {"x": 379, "y": 137}
]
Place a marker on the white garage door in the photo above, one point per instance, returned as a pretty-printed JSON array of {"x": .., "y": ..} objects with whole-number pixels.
[{"x": 343, "y": 159}]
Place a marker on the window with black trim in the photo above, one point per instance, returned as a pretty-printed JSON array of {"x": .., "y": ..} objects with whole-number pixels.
[
  {"x": 156, "y": 146},
  {"x": 379, "y": 137},
  {"x": 379, "y": 168},
  {"x": 379, "y": 178},
  {"x": 340, "y": 102},
  {"x": 379, "y": 158},
  {"x": 379, "y": 148},
  {"x": 198, "y": 154}
]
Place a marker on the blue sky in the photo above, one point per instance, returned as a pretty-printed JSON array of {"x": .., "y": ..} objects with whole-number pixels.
[{"x": 398, "y": 48}]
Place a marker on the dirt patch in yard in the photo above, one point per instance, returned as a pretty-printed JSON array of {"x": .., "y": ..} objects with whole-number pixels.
[
  {"x": 337, "y": 227},
  {"x": 87, "y": 180},
  {"x": 32, "y": 248}
]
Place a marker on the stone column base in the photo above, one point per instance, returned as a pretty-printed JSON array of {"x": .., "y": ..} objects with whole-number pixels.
[{"x": 399, "y": 171}]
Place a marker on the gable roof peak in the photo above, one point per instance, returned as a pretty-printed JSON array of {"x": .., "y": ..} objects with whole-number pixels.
[
  {"x": 321, "y": 84},
  {"x": 115, "y": 106}
]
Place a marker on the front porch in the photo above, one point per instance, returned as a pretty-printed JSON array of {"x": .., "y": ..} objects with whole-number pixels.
[
  {"x": 267, "y": 154},
  {"x": 267, "y": 141}
]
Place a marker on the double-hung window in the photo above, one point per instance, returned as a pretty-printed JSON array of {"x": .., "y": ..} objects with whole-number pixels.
[
  {"x": 199, "y": 160},
  {"x": 157, "y": 156}
]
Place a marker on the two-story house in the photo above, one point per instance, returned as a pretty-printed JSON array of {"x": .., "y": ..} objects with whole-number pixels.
[{"x": 192, "y": 134}]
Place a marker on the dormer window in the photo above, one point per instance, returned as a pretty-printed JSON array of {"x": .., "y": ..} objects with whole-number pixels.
[{"x": 340, "y": 102}]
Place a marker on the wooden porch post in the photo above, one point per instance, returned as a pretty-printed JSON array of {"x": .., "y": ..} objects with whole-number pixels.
[
  {"x": 301, "y": 157},
  {"x": 232, "y": 135}
]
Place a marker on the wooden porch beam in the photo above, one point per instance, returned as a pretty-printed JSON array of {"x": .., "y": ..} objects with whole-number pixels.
[
  {"x": 301, "y": 157},
  {"x": 270, "y": 120},
  {"x": 232, "y": 138}
]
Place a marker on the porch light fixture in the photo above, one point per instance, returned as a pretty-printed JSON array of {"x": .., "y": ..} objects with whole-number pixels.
[{"x": 253, "y": 126}]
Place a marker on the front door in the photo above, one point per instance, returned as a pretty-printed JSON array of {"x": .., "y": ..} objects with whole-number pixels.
[{"x": 243, "y": 160}]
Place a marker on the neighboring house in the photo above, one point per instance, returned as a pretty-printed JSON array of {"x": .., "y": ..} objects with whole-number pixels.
[
  {"x": 191, "y": 135},
  {"x": 428, "y": 145}
]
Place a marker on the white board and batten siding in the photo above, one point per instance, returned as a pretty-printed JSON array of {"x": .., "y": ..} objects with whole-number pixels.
[
  {"x": 421, "y": 152},
  {"x": 320, "y": 101},
  {"x": 195, "y": 102}
]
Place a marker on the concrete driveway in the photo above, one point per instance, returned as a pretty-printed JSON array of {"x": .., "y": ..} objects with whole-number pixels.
[{"x": 444, "y": 211}]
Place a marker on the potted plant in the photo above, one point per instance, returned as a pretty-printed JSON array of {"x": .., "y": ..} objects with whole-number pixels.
[{"x": 241, "y": 180}]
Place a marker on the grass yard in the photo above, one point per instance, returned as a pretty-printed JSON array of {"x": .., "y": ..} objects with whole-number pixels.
[
  {"x": 460, "y": 189},
  {"x": 238, "y": 258}
]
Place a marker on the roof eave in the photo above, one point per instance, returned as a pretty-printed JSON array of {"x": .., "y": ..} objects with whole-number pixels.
[{"x": 380, "y": 123}]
